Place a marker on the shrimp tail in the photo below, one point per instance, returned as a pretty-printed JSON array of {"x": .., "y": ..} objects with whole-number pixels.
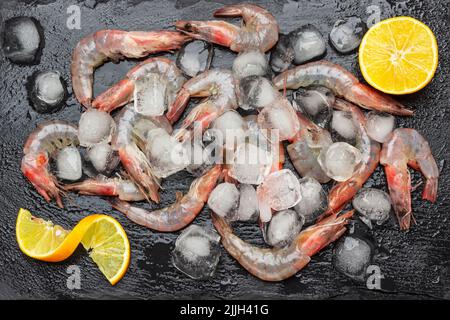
[
  {"x": 399, "y": 182},
  {"x": 118, "y": 95},
  {"x": 372, "y": 99},
  {"x": 34, "y": 169},
  {"x": 320, "y": 235},
  {"x": 430, "y": 190}
]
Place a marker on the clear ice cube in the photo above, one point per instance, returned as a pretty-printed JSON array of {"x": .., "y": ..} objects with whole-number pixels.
[
  {"x": 283, "y": 228},
  {"x": 103, "y": 157},
  {"x": 248, "y": 203},
  {"x": 339, "y": 161},
  {"x": 48, "y": 91},
  {"x": 347, "y": 34},
  {"x": 373, "y": 204},
  {"x": 279, "y": 191},
  {"x": 308, "y": 43},
  {"x": 197, "y": 252},
  {"x": 21, "y": 40},
  {"x": 256, "y": 92},
  {"x": 352, "y": 256},
  {"x": 68, "y": 164},
  {"x": 195, "y": 57},
  {"x": 342, "y": 127},
  {"x": 95, "y": 126},
  {"x": 315, "y": 103},
  {"x": 314, "y": 200},
  {"x": 379, "y": 125},
  {"x": 150, "y": 94},
  {"x": 250, "y": 164},
  {"x": 250, "y": 63},
  {"x": 165, "y": 154},
  {"x": 224, "y": 200}
]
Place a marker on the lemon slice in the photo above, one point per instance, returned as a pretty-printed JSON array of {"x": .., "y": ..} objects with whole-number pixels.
[
  {"x": 109, "y": 247},
  {"x": 102, "y": 235},
  {"x": 398, "y": 55}
]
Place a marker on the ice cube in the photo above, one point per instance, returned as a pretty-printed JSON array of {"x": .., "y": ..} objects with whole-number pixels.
[
  {"x": 314, "y": 200},
  {"x": 283, "y": 228},
  {"x": 224, "y": 200},
  {"x": 47, "y": 91},
  {"x": 68, "y": 164},
  {"x": 352, "y": 256},
  {"x": 339, "y": 161},
  {"x": 95, "y": 126},
  {"x": 308, "y": 43},
  {"x": 248, "y": 203},
  {"x": 256, "y": 92},
  {"x": 282, "y": 55},
  {"x": 279, "y": 191},
  {"x": 373, "y": 204},
  {"x": 232, "y": 127},
  {"x": 21, "y": 40},
  {"x": 347, "y": 34},
  {"x": 197, "y": 252},
  {"x": 379, "y": 125},
  {"x": 250, "y": 164},
  {"x": 103, "y": 157},
  {"x": 280, "y": 116},
  {"x": 250, "y": 63},
  {"x": 150, "y": 94},
  {"x": 195, "y": 57},
  {"x": 200, "y": 159},
  {"x": 165, "y": 154},
  {"x": 342, "y": 127},
  {"x": 315, "y": 103}
]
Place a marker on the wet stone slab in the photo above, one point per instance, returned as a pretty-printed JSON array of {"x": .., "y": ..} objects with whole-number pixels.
[{"x": 415, "y": 264}]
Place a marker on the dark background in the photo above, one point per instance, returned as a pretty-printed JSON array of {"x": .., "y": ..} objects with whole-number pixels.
[{"x": 416, "y": 263}]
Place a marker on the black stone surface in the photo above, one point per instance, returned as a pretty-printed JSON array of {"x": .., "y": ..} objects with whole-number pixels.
[{"x": 416, "y": 263}]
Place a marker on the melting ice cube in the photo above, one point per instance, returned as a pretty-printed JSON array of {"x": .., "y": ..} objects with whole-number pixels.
[
  {"x": 347, "y": 34},
  {"x": 197, "y": 252},
  {"x": 283, "y": 228},
  {"x": 339, "y": 161}
]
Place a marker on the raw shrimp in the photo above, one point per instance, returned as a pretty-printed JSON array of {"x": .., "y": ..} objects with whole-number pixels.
[
  {"x": 342, "y": 83},
  {"x": 39, "y": 147},
  {"x": 114, "y": 187},
  {"x": 305, "y": 149},
  {"x": 95, "y": 49},
  {"x": 259, "y": 30},
  {"x": 131, "y": 157},
  {"x": 406, "y": 147},
  {"x": 218, "y": 85},
  {"x": 343, "y": 192},
  {"x": 122, "y": 92},
  {"x": 280, "y": 264},
  {"x": 181, "y": 213}
]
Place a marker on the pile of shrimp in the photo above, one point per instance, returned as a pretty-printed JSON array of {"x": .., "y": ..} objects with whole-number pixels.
[{"x": 221, "y": 92}]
